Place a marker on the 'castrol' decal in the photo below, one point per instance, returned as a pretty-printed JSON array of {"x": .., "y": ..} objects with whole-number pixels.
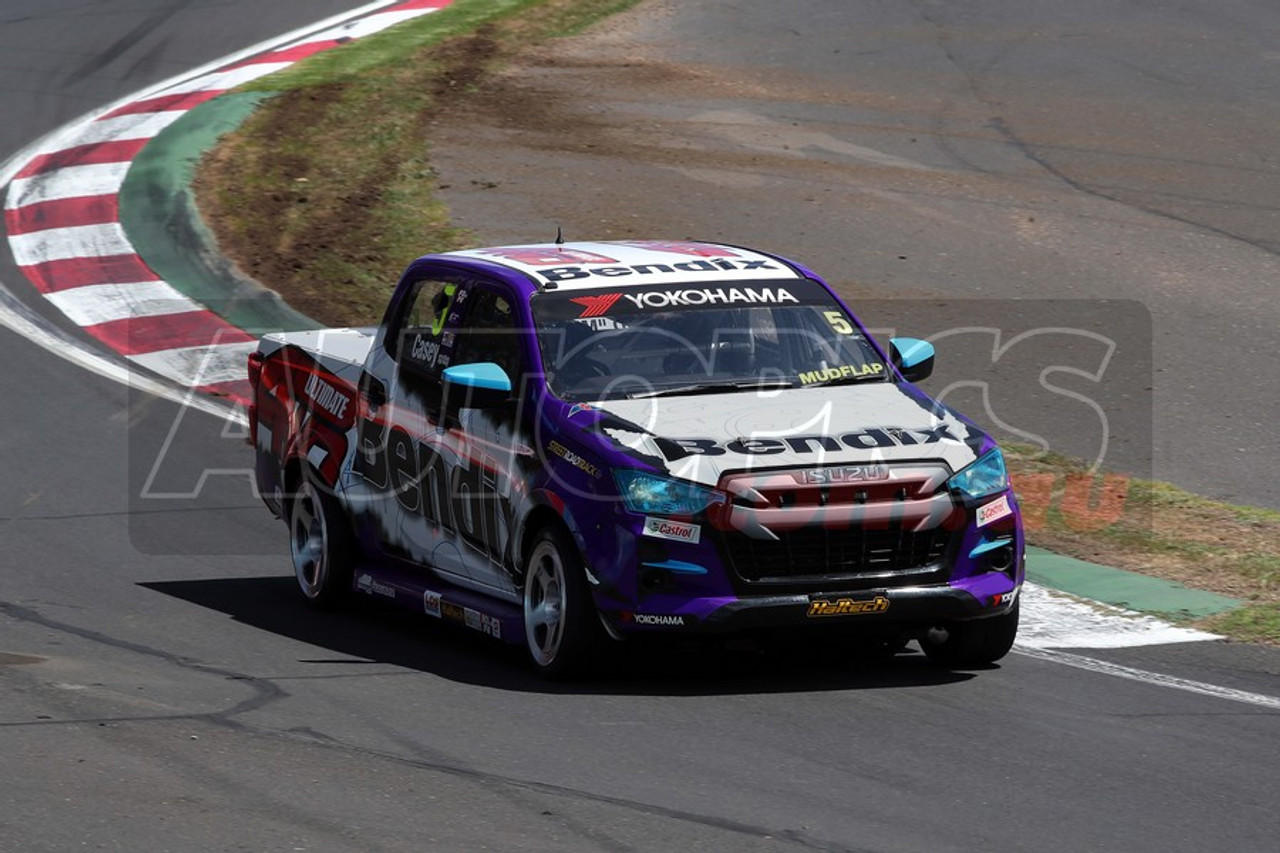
[
  {"x": 993, "y": 511},
  {"x": 677, "y": 531}
]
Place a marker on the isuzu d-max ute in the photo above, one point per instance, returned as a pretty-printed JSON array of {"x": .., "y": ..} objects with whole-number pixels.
[{"x": 562, "y": 444}]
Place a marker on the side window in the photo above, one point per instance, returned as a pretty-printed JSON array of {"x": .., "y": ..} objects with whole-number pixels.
[
  {"x": 421, "y": 337},
  {"x": 489, "y": 332}
]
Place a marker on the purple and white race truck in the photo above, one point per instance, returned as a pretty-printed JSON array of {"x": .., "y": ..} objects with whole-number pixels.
[{"x": 557, "y": 444}]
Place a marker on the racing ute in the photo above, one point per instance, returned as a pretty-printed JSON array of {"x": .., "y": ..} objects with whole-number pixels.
[{"x": 554, "y": 444}]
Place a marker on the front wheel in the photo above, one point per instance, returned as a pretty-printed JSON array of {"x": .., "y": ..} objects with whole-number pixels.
[
  {"x": 560, "y": 623},
  {"x": 320, "y": 546},
  {"x": 972, "y": 644}
]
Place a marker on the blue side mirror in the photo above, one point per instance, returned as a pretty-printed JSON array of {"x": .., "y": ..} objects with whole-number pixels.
[
  {"x": 477, "y": 385},
  {"x": 913, "y": 358},
  {"x": 479, "y": 374}
]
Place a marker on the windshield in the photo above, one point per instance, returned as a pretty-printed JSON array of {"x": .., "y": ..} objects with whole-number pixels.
[{"x": 609, "y": 344}]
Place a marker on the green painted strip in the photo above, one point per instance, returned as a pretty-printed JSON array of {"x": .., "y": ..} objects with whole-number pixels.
[
  {"x": 159, "y": 215},
  {"x": 1121, "y": 588}
]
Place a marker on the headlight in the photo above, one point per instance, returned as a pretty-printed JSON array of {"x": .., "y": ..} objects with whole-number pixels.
[
  {"x": 647, "y": 493},
  {"x": 987, "y": 476}
]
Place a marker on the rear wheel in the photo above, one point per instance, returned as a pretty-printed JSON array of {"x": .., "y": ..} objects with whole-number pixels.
[
  {"x": 320, "y": 546},
  {"x": 970, "y": 644},
  {"x": 560, "y": 623}
]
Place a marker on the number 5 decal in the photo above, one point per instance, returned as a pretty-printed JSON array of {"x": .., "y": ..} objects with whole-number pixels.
[{"x": 838, "y": 322}]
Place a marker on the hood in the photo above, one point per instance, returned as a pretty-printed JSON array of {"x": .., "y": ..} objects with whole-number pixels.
[{"x": 700, "y": 438}]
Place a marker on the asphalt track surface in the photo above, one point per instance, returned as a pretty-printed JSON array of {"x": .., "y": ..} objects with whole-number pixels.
[{"x": 162, "y": 688}]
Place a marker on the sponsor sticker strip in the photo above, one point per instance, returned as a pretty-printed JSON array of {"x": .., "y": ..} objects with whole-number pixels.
[
  {"x": 675, "y": 449},
  {"x": 689, "y": 297},
  {"x": 667, "y": 620},
  {"x": 62, "y": 217},
  {"x": 844, "y": 371},
  {"x": 676, "y": 531},
  {"x": 369, "y": 585},
  {"x": 821, "y": 607},
  {"x": 994, "y": 511},
  {"x": 558, "y": 449}
]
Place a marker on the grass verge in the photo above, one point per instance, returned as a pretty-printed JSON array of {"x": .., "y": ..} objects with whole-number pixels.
[
  {"x": 328, "y": 191},
  {"x": 1157, "y": 529}
]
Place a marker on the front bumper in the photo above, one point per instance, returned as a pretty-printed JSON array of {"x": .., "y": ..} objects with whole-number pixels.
[{"x": 872, "y": 610}]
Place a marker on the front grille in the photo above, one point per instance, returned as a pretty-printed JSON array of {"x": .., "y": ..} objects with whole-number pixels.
[
  {"x": 843, "y": 527},
  {"x": 817, "y": 557}
]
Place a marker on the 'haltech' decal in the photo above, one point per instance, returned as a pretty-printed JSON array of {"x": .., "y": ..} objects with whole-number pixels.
[
  {"x": 847, "y": 606},
  {"x": 866, "y": 439}
]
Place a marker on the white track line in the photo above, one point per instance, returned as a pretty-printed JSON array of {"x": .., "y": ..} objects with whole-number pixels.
[
  {"x": 117, "y": 129},
  {"x": 77, "y": 241},
  {"x": 1053, "y": 621},
  {"x": 227, "y": 79},
  {"x": 21, "y": 319},
  {"x": 96, "y": 179},
  {"x": 1155, "y": 678},
  {"x": 207, "y": 364},
  {"x": 92, "y": 304}
]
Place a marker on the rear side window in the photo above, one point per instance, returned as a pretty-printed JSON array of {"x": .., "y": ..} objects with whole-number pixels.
[
  {"x": 421, "y": 333},
  {"x": 448, "y": 322}
]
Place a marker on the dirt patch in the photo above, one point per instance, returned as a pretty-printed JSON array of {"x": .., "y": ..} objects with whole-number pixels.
[
  {"x": 328, "y": 191},
  {"x": 322, "y": 195},
  {"x": 1150, "y": 528}
]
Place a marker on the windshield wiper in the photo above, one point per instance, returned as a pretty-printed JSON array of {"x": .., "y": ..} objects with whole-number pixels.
[{"x": 712, "y": 388}]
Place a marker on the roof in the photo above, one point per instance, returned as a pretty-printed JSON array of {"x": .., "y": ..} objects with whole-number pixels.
[{"x": 633, "y": 263}]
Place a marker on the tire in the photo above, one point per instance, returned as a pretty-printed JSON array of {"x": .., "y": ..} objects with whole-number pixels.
[
  {"x": 965, "y": 645},
  {"x": 561, "y": 627},
  {"x": 320, "y": 546}
]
